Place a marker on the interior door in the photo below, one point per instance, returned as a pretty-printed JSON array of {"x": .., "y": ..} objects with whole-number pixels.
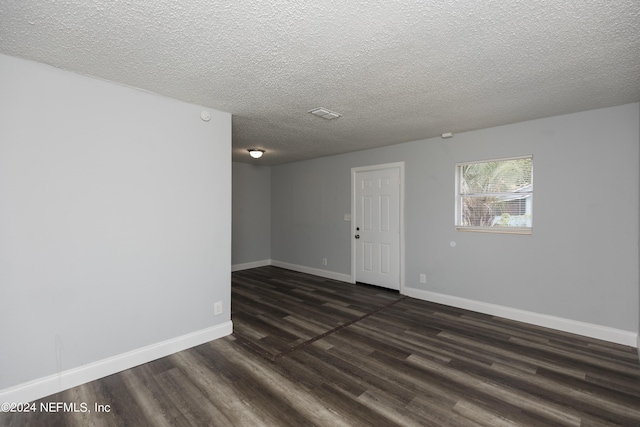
[{"x": 377, "y": 227}]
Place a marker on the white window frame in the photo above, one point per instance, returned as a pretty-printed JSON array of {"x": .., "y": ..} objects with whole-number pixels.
[{"x": 487, "y": 229}]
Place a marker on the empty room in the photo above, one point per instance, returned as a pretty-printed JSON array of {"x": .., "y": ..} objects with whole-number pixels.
[{"x": 314, "y": 213}]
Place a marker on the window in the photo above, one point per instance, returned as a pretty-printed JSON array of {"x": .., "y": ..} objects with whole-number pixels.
[{"x": 495, "y": 196}]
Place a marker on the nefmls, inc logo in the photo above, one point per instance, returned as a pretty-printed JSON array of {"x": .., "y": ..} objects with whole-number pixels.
[{"x": 63, "y": 407}]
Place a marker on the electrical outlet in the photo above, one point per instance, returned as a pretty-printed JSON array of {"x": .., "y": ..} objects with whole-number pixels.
[
  {"x": 217, "y": 308},
  {"x": 324, "y": 261},
  {"x": 423, "y": 278}
]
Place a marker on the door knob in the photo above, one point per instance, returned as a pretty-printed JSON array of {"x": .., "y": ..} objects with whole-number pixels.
[{"x": 357, "y": 236}]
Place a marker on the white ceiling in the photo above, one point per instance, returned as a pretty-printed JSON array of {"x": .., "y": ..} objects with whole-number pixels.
[{"x": 397, "y": 70}]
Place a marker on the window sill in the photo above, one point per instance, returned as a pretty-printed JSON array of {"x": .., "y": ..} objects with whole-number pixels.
[{"x": 499, "y": 230}]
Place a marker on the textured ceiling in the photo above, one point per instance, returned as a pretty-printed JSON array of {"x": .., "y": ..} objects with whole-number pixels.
[{"x": 397, "y": 71}]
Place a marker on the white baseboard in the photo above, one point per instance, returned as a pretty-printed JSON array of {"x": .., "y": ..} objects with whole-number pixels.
[
  {"x": 299, "y": 268},
  {"x": 51, "y": 384},
  {"x": 572, "y": 326},
  {"x": 315, "y": 271},
  {"x": 252, "y": 264}
]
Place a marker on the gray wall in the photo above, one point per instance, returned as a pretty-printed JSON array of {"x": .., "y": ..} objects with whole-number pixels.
[
  {"x": 251, "y": 223},
  {"x": 580, "y": 263},
  {"x": 115, "y": 207}
]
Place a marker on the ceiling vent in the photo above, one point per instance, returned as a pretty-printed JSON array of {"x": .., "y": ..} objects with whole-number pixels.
[{"x": 324, "y": 113}]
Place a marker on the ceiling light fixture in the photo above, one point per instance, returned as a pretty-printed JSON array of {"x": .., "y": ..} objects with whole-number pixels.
[
  {"x": 256, "y": 153},
  {"x": 447, "y": 135},
  {"x": 324, "y": 113}
]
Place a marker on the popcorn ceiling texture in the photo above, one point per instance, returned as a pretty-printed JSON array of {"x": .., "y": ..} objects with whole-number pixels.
[{"x": 397, "y": 71}]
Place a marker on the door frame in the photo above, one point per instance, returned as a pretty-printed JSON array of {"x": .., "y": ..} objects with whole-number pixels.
[{"x": 355, "y": 171}]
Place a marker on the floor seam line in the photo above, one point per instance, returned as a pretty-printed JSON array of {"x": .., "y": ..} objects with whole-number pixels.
[{"x": 336, "y": 329}]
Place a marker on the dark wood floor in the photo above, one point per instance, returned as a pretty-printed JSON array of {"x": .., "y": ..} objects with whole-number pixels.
[{"x": 311, "y": 351}]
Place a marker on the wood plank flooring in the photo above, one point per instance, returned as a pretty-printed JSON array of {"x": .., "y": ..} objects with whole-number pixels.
[
  {"x": 312, "y": 351},
  {"x": 276, "y": 311}
]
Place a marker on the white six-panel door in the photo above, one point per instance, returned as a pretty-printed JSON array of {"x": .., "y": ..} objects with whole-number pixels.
[{"x": 376, "y": 226}]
